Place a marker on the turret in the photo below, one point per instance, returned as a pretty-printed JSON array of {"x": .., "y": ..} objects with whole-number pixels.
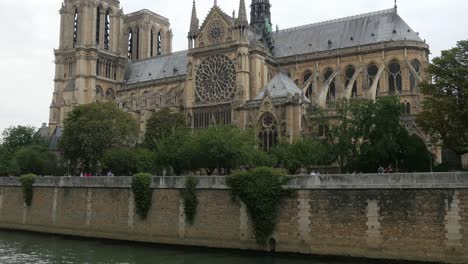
[{"x": 194, "y": 26}]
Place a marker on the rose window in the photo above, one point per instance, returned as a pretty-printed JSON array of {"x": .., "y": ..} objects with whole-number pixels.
[
  {"x": 215, "y": 80},
  {"x": 216, "y": 32}
]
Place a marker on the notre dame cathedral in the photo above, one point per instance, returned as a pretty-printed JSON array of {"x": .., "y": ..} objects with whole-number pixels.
[{"x": 249, "y": 74}]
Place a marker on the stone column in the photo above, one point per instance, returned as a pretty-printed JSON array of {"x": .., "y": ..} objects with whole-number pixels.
[
  {"x": 453, "y": 222},
  {"x": 374, "y": 238}
]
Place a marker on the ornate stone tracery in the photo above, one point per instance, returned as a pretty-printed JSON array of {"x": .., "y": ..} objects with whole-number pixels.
[
  {"x": 215, "y": 80},
  {"x": 216, "y": 32}
]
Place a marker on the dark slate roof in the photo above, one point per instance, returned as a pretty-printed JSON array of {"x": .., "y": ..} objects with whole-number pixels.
[
  {"x": 54, "y": 139},
  {"x": 365, "y": 29},
  {"x": 156, "y": 68},
  {"x": 281, "y": 86}
]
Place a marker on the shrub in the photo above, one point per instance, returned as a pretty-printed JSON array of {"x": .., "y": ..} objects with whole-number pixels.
[
  {"x": 261, "y": 190},
  {"x": 126, "y": 161},
  {"x": 142, "y": 192},
  {"x": 190, "y": 198},
  {"x": 27, "y": 182}
]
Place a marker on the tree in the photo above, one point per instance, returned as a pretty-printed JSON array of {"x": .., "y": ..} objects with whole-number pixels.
[
  {"x": 444, "y": 114},
  {"x": 176, "y": 151},
  {"x": 8, "y": 165},
  {"x": 222, "y": 147},
  {"x": 128, "y": 161},
  {"x": 35, "y": 159},
  {"x": 162, "y": 124},
  {"x": 14, "y": 138},
  {"x": 384, "y": 143},
  {"x": 345, "y": 130},
  {"x": 305, "y": 153},
  {"x": 90, "y": 130}
]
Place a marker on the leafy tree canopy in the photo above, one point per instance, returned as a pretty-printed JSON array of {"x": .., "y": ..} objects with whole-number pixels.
[
  {"x": 35, "y": 159},
  {"x": 444, "y": 114},
  {"x": 90, "y": 130},
  {"x": 126, "y": 161},
  {"x": 161, "y": 124},
  {"x": 14, "y": 138}
]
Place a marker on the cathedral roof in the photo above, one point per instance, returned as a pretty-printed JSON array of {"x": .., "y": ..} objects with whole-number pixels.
[
  {"x": 365, "y": 29},
  {"x": 281, "y": 86},
  {"x": 156, "y": 68}
]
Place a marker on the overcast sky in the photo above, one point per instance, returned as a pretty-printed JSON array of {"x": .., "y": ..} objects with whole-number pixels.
[{"x": 30, "y": 32}]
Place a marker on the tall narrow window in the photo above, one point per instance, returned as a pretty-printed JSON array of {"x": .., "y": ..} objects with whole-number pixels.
[
  {"x": 372, "y": 71},
  {"x": 107, "y": 32},
  {"x": 130, "y": 45},
  {"x": 413, "y": 78},
  {"x": 310, "y": 89},
  {"x": 332, "y": 89},
  {"x": 98, "y": 25},
  {"x": 152, "y": 43},
  {"x": 75, "y": 28},
  {"x": 137, "y": 44},
  {"x": 159, "y": 43},
  {"x": 394, "y": 78},
  {"x": 349, "y": 74},
  {"x": 268, "y": 132}
]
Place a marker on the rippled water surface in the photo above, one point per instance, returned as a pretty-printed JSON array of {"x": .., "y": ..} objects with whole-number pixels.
[{"x": 27, "y": 248}]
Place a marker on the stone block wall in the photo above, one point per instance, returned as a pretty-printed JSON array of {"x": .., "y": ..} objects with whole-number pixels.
[{"x": 426, "y": 224}]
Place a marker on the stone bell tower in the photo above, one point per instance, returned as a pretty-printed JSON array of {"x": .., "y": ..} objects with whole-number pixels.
[{"x": 91, "y": 57}]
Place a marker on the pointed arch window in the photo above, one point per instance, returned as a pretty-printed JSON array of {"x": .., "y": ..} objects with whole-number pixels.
[
  {"x": 268, "y": 132},
  {"x": 130, "y": 45},
  {"x": 107, "y": 31},
  {"x": 159, "y": 48},
  {"x": 372, "y": 71},
  {"x": 394, "y": 78},
  {"x": 98, "y": 25},
  {"x": 75, "y": 28},
  {"x": 413, "y": 78},
  {"x": 332, "y": 88},
  {"x": 349, "y": 74},
  {"x": 310, "y": 89}
]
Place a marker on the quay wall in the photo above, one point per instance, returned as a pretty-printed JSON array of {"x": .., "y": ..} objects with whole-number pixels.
[{"x": 422, "y": 217}]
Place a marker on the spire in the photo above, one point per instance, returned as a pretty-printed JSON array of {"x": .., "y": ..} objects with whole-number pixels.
[
  {"x": 242, "y": 15},
  {"x": 194, "y": 22},
  {"x": 396, "y": 6},
  {"x": 259, "y": 13}
]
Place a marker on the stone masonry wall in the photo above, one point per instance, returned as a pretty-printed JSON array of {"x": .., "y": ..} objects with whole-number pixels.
[{"x": 426, "y": 224}]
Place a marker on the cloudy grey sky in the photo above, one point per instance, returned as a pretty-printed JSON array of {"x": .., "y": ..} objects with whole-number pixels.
[{"x": 29, "y": 30}]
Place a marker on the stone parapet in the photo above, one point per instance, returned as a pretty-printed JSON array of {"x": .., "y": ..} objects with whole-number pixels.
[{"x": 448, "y": 180}]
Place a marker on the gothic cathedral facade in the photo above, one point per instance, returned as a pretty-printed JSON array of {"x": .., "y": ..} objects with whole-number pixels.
[{"x": 237, "y": 72}]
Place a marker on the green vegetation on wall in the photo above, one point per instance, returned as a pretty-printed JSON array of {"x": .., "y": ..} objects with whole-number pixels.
[
  {"x": 27, "y": 182},
  {"x": 190, "y": 198},
  {"x": 142, "y": 193},
  {"x": 261, "y": 190}
]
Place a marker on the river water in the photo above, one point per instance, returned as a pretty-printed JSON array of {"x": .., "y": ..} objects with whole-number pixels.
[{"x": 28, "y": 248}]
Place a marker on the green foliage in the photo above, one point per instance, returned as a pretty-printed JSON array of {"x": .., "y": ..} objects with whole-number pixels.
[
  {"x": 261, "y": 190},
  {"x": 190, "y": 198},
  {"x": 222, "y": 147},
  {"x": 444, "y": 114},
  {"x": 175, "y": 151},
  {"x": 14, "y": 138},
  {"x": 162, "y": 124},
  {"x": 27, "y": 182},
  {"x": 8, "y": 165},
  {"x": 126, "y": 161},
  {"x": 364, "y": 135},
  {"x": 217, "y": 147},
  {"x": 90, "y": 130},
  {"x": 35, "y": 159},
  {"x": 305, "y": 153},
  {"x": 142, "y": 192}
]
